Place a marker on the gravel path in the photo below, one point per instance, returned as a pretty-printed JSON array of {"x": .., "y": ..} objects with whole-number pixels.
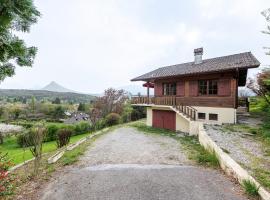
[
  {"x": 127, "y": 164},
  {"x": 128, "y": 146},
  {"x": 242, "y": 147}
]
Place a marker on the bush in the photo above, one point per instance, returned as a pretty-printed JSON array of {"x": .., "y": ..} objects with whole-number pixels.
[
  {"x": 25, "y": 139},
  {"x": 138, "y": 112},
  {"x": 63, "y": 137},
  {"x": 82, "y": 127},
  {"x": 100, "y": 124},
  {"x": 6, "y": 186},
  {"x": 112, "y": 119},
  {"x": 52, "y": 130}
]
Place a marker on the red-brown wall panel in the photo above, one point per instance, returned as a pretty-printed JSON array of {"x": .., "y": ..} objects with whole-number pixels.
[{"x": 164, "y": 119}]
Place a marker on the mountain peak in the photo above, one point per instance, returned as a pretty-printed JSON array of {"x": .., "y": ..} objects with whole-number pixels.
[{"x": 55, "y": 87}]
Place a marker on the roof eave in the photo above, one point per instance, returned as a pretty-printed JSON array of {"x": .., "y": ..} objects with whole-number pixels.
[{"x": 188, "y": 74}]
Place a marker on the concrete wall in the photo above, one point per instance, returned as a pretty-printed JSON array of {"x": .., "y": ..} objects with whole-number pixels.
[
  {"x": 182, "y": 124},
  {"x": 149, "y": 119},
  {"x": 225, "y": 115}
]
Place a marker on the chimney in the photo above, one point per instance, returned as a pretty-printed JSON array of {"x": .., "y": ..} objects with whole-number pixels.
[{"x": 198, "y": 55}]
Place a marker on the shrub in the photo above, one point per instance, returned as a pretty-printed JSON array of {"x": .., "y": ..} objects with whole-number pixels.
[
  {"x": 52, "y": 130},
  {"x": 100, "y": 124},
  {"x": 250, "y": 188},
  {"x": 63, "y": 137},
  {"x": 6, "y": 180},
  {"x": 112, "y": 119},
  {"x": 82, "y": 127},
  {"x": 25, "y": 139}
]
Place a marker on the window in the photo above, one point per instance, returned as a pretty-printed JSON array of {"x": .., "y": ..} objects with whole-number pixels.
[
  {"x": 169, "y": 89},
  {"x": 201, "y": 115},
  {"x": 208, "y": 87},
  {"x": 212, "y": 88},
  {"x": 202, "y": 87},
  {"x": 213, "y": 116}
]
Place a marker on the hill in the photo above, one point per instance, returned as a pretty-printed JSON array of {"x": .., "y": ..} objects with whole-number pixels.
[
  {"x": 55, "y": 87},
  {"x": 44, "y": 95}
]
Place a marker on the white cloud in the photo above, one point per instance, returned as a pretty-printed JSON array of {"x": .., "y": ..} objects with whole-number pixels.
[{"x": 90, "y": 45}]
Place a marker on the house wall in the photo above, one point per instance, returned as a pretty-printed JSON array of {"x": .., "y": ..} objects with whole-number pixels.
[
  {"x": 187, "y": 90},
  {"x": 225, "y": 115},
  {"x": 182, "y": 124},
  {"x": 149, "y": 116}
]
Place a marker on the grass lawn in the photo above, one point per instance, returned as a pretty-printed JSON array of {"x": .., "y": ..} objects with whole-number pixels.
[{"x": 18, "y": 155}]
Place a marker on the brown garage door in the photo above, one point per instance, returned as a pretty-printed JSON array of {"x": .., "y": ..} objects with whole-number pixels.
[{"x": 164, "y": 119}]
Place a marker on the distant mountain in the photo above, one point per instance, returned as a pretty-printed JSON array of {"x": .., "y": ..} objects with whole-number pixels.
[
  {"x": 44, "y": 95},
  {"x": 135, "y": 89},
  {"x": 55, "y": 87}
]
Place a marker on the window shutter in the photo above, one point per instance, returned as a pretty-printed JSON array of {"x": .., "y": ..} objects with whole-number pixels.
[
  {"x": 158, "y": 89},
  {"x": 224, "y": 87},
  {"x": 180, "y": 88},
  {"x": 193, "y": 88}
]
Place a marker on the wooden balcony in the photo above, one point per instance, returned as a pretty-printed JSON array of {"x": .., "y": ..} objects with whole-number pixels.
[{"x": 173, "y": 101}]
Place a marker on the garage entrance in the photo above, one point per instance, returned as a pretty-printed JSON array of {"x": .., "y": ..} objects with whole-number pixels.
[{"x": 164, "y": 119}]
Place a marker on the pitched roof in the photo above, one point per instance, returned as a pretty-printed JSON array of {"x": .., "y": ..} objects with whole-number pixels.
[{"x": 224, "y": 63}]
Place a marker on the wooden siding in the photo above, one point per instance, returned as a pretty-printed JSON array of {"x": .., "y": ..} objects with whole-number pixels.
[
  {"x": 180, "y": 88},
  {"x": 224, "y": 87},
  {"x": 158, "y": 89},
  {"x": 187, "y": 90}
]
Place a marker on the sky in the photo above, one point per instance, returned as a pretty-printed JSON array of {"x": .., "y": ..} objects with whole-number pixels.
[{"x": 90, "y": 45}]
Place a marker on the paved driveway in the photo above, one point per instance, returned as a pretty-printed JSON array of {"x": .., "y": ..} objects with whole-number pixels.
[{"x": 126, "y": 164}]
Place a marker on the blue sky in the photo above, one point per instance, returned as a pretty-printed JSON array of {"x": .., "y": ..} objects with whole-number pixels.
[{"x": 90, "y": 45}]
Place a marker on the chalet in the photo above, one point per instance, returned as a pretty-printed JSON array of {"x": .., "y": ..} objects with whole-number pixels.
[{"x": 203, "y": 90}]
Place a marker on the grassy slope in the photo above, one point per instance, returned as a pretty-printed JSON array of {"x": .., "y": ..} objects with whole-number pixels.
[{"x": 18, "y": 155}]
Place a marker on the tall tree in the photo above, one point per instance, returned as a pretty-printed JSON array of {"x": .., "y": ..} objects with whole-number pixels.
[
  {"x": 112, "y": 101},
  {"x": 266, "y": 14},
  {"x": 15, "y": 16}
]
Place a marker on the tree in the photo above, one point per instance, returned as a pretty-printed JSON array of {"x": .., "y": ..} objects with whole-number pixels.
[
  {"x": 266, "y": 14},
  {"x": 95, "y": 115},
  {"x": 58, "y": 112},
  {"x": 33, "y": 104},
  {"x": 37, "y": 135},
  {"x": 81, "y": 107},
  {"x": 112, "y": 102},
  {"x": 261, "y": 85},
  {"x": 57, "y": 101},
  {"x": 15, "y": 16}
]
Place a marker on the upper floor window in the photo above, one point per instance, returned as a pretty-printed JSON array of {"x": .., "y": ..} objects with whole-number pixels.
[
  {"x": 208, "y": 87},
  {"x": 169, "y": 89}
]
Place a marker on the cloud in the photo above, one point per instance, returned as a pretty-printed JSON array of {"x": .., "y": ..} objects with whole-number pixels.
[{"x": 91, "y": 45}]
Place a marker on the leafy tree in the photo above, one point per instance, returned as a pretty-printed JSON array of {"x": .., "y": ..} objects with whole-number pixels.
[
  {"x": 82, "y": 107},
  {"x": 33, "y": 104},
  {"x": 112, "y": 102},
  {"x": 59, "y": 112},
  {"x": 261, "y": 85},
  {"x": 57, "y": 101},
  {"x": 15, "y": 16}
]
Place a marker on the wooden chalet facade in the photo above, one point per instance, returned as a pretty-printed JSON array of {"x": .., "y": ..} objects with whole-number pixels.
[{"x": 202, "y": 90}]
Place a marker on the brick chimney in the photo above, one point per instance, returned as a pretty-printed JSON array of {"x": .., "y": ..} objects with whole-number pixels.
[{"x": 198, "y": 55}]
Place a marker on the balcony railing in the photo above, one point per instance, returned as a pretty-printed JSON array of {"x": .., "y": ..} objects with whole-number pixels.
[{"x": 189, "y": 111}]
